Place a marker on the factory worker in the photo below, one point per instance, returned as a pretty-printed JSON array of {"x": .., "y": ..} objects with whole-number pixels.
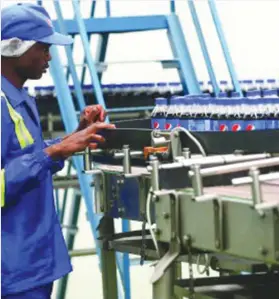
[{"x": 33, "y": 251}]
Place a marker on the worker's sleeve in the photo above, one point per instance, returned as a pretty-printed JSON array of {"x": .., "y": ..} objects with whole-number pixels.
[
  {"x": 58, "y": 164},
  {"x": 24, "y": 172}
]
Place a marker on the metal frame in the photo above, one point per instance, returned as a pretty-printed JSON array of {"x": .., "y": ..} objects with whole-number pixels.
[{"x": 222, "y": 39}]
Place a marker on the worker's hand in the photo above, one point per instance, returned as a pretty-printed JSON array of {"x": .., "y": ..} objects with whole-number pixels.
[
  {"x": 91, "y": 114},
  {"x": 78, "y": 141}
]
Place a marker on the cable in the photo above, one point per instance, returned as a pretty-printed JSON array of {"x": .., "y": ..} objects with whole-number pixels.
[
  {"x": 207, "y": 263},
  {"x": 148, "y": 216},
  {"x": 191, "y": 136}
]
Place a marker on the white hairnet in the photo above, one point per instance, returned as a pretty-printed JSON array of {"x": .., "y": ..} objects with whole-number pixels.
[{"x": 15, "y": 47}]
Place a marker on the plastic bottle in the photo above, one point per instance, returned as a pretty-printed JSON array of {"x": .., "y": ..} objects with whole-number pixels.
[
  {"x": 255, "y": 115},
  {"x": 271, "y": 102},
  {"x": 200, "y": 115},
  {"x": 158, "y": 116},
  {"x": 174, "y": 112},
  {"x": 186, "y": 112}
]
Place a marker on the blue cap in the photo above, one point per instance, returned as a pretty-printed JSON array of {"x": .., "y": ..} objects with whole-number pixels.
[
  {"x": 161, "y": 101},
  {"x": 30, "y": 22}
]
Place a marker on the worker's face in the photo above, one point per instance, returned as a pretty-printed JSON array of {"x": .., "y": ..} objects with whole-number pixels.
[{"x": 33, "y": 63}]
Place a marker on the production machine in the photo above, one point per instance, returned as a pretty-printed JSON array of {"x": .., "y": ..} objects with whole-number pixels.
[{"x": 206, "y": 198}]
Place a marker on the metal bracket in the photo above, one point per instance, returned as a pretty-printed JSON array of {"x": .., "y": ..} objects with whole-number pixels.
[
  {"x": 159, "y": 138},
  {"x": 164, "y": 263},
  {"x": 218, "y": 217},
  {"x": 100, "y": 190},
  {"x": 175, "y": 244},
  {"x": 176, "y": 146}
]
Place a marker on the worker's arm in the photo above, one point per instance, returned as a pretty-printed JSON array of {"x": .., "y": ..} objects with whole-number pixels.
[
  {"x": 25, "y": 172},
  {"x": 91, "y": 114},
  {"x": 58, "y": 164}
]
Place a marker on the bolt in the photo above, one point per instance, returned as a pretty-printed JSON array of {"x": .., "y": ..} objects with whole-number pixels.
[
  {"x": 157, "y": 231},
  {"x": 263, "y": 251},
  {"x": 155, "y": 198},
  {"x": 166, "y": 215}
]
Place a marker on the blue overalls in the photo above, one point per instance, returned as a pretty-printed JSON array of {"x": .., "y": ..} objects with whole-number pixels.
[{"x": 33, "y": 249}]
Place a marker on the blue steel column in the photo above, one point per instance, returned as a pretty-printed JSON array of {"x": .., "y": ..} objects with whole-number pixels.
[
  {"x": 224, "y": 45},
  {"x": 92, "y": 12},
  {"x": 71, "y": 63},
  {"x": 172, "y": 6},
  {"x": 69, "y": 117},
  {"x": 126, "y": 265},
  {"x": 70, "y": 121},
  {"x": 102, "y": 50},
  {"x": 180, "y": 49},
  {"x": 203, "y": 46},
  {"x": 108, "y": 8},
  {"x": 89, "y": 59}
]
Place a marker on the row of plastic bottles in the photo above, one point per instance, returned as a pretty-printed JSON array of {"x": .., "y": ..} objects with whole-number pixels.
[
  {"x": 245, "y": 85},
  {"x": 162, "y": 88},
  {"x": 204, "y": 113}
]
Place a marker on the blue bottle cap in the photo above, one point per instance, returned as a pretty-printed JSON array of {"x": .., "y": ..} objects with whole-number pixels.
[
  {"x": 174, "y": 84},
  {"x": 161, "y": 101},
  {"x": 247, "y": 81},
  {"x": 160, "y": 84}
]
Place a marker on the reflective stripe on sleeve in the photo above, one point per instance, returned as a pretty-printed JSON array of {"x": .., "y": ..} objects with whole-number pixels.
[{"x": 23, "y": 135}]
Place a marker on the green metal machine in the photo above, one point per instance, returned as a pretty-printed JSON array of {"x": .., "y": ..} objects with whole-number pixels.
[{"x": 212, "y": 211}]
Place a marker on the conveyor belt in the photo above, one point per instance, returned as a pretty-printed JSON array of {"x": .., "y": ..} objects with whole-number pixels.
[{"x": 269, "y": 192}]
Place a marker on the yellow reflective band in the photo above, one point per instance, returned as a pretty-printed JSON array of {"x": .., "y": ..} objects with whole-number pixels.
[
  {"x": 2, "y": 188},
  {"x": 23, "y": 135}
]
